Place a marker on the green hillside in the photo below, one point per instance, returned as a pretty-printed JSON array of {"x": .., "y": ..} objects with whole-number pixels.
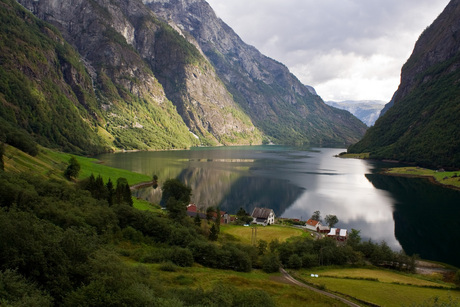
[
  {"x": 34, "y": 95},
  {"x": 423, "y": 127},
  {"x": 47, "y": 92}
]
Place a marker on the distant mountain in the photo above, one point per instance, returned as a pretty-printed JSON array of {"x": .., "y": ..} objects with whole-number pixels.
[
  {"x": 422, "y": 126},
  {"x": 368, "y": 111}
]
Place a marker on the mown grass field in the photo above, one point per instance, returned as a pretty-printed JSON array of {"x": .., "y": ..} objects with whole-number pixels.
[
  {"x": 444, "y": 178},
  {"x": 380, "y": 287},
  {"x": 267, "y": 233}
]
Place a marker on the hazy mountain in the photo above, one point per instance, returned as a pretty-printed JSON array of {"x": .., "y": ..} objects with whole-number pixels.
[
  {"x": 368, "y": 111},
  {"x": 422, "y": 126}
]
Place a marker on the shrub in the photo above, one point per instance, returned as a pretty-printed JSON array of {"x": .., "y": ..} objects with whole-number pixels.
[
  {"x": 182, "y": 257},
  {"x": 168, "y": 267},
  {"x": 270, "y": 263}
]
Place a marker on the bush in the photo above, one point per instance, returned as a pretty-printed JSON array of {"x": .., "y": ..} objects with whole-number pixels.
[
  {"x": 168, "y": 267},
  {"x": 182, "y": 257},
  {"x": 270, "y": 263}
]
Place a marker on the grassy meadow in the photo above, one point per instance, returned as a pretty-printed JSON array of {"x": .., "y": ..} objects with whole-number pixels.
[
  {"x": 444, "y": 178},
  {"x": 381, "y": 287},
  {"x": 201, "y": 278},
  {"x": 268, "y": 233}
]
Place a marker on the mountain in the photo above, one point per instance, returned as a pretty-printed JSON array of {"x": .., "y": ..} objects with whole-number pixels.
[
  {"x": 368, "y": 111},
  {"x": 123, "y": 78},
  {"x": 277, "y": 102},
  {"x": 422, "y": 126}
]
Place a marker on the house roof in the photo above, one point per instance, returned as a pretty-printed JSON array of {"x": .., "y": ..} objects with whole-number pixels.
[
  {"x": 343, "y": 232},
  {"x": 191, "y": 208},
  {"x": 333, "y": 232},
  {"x": 312, "y": 222},
  {"x": 261, "y": 213},
  {"x": 193, "y": 214}
]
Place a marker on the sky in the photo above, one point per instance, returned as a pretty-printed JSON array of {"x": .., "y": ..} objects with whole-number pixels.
[{"x": 345, "y": 49}]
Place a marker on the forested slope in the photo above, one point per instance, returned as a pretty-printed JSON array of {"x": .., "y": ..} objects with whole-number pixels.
[{"x": 423, "y": 125}]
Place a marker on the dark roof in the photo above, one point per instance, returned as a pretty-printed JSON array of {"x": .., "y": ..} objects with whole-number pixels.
[
  {"x": 261, "y": 213},
  {"x": 193, "y": 214}
]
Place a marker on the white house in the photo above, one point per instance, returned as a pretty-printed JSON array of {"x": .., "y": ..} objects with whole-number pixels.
[
  {"x": 263, "y": 216},
  {"x": 312, "y": 224}
]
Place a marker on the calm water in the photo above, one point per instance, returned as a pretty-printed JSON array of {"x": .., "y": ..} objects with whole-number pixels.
[{"x": 411, "y": 214}]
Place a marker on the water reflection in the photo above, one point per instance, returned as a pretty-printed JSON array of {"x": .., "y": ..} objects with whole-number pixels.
[
  {"x": 426, "y": 216},
  {"x": 339, "y": 187},
  {"x": 419, "y": 217}
]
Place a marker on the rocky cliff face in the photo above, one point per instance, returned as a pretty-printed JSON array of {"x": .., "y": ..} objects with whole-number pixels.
[
  {"x": 422, "y": 125},
  {"x": 277, "y": 102},
  {"x": 139, "y": 64}
]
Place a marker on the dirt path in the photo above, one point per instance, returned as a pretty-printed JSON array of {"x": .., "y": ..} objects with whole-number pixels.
[{"x": 291, "y": 280}]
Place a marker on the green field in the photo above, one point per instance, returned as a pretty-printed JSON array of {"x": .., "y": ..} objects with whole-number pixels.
[
  {"x": 52, "y": 164},
  {"x": 267, "y": 233},
  {"x": 201, "y": 278},
  {"x": 443, "y": 178},
  {"x": 380, "y": 287}
]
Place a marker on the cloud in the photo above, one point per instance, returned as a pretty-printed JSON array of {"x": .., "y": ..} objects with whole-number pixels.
[{"x": 346, "y": 49}]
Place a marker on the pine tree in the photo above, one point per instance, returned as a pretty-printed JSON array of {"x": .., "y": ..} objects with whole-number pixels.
[
  {"x": 213, "y": 234},
  {"x": 197, "y": 220},
  {"x": 110, "y": 192}
]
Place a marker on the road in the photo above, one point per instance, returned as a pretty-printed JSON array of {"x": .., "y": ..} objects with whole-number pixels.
[{"x": 292, "y": 280}]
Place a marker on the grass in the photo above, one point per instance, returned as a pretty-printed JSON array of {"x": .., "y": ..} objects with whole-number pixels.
[
  {"x": 364, "y": 155},
  {"x": 380, "y": 287},
  {"x": 51, "y": 164},
  {"x": 198, "y": 277},
  {"x": 443, "y": 178},
  {"x": 267, "y": 233}
]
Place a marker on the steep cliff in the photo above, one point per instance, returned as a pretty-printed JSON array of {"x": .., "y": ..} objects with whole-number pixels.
[
  {"x": 278, "y": 104},
  {"x": 422, "y": 125},
  {"x": 45, "y": 91},
  {"x": 138, "y": 66}
]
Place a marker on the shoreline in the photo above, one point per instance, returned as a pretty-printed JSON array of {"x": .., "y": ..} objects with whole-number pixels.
[{"x": 401, "y": 172}]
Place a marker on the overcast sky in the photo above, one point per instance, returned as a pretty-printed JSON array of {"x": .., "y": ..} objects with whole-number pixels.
[{"x": 345, "y": 49}]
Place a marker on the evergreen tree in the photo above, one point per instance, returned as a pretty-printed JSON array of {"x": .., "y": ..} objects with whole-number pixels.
[
  {"x": 2, "y": 152},
  {"x": 213, "y": 234},
  {"x": 110, "y": 192},
  {"x": 218, "y": 217},
  {"x": 197, "y": 220},
  {"x": 123, "y": 192},
  {"x": 210, "y": 213}
]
